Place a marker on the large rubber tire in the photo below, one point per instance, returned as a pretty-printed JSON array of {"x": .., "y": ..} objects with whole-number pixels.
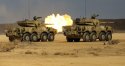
[
  {"x": 108, "y": 36},
  {"x": 51, "y": 37},
  {"x": 69, "y": 39},
  {"x": 93, "y": 36},
  {"x": 76, "y": 39},
  {"x": 11, "y": 38},
  {"x": 34, "y": 37},
  {"x": 86, "y": 37},
  {"x": 44, "y": 37},
  {"x": 102, "y": 36},
  {"x": 26, "y": 37}
]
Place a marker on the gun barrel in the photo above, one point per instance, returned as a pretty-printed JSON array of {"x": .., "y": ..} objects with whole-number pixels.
[{"x": 107, "y": 22}]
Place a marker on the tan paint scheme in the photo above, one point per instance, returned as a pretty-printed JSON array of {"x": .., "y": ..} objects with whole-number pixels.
[
  {"x": 30, "y": 26},
  {"x": 85, "y": 25}
]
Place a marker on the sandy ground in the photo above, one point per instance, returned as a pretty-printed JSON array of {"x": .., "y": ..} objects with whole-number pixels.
[{"x": 62, "y": 53}]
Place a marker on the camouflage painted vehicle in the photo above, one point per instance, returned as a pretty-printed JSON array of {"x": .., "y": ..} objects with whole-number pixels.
[
  {"x": 87, "y": 30},
  {"x": 31, "y": 30}
]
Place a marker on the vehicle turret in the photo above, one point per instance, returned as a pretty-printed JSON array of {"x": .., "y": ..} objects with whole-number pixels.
[
  {"x": 87, "y": 29},
  {"x": 32, "y": 30}
]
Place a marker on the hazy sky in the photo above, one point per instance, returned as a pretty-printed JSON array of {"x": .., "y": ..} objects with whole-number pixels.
[{"x": 13, "y": 10}]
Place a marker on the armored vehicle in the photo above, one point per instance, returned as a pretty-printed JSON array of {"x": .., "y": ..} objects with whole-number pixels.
[
  {"x": 87, "y": 30},
  {"x": 31, "y": 30}
]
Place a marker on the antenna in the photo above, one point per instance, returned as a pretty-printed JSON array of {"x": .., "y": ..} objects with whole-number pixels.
[
  {"x": 29, "y": 9},
  {"x": 85, "y": 8},
  {"x": 25, "y": 9}
]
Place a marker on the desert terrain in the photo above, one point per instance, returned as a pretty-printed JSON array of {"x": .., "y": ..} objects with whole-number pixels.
[{"x": 62, "y": 53}]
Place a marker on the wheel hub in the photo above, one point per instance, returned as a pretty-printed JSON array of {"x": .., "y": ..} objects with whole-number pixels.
[
  {"x": 103, "y": 37},
  {"x": 44, "y": 37},
  {"x": 51, "y": 37},
  {"x": 34, "y": 38},
  {"x": 27, "y": 38},
  {"x": 109, "y": 37},
  {"x": 87, "y": 37}
]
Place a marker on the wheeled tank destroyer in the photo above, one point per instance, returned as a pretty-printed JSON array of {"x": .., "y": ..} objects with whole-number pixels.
[
  {"x": 31, "y": 30},
  {"x": 87, "y": 30}
]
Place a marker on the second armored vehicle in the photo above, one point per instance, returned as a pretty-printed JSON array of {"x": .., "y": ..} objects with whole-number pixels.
[
  {"x": 87, "y": 30},
  {"x": 31, "y": 30}
]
